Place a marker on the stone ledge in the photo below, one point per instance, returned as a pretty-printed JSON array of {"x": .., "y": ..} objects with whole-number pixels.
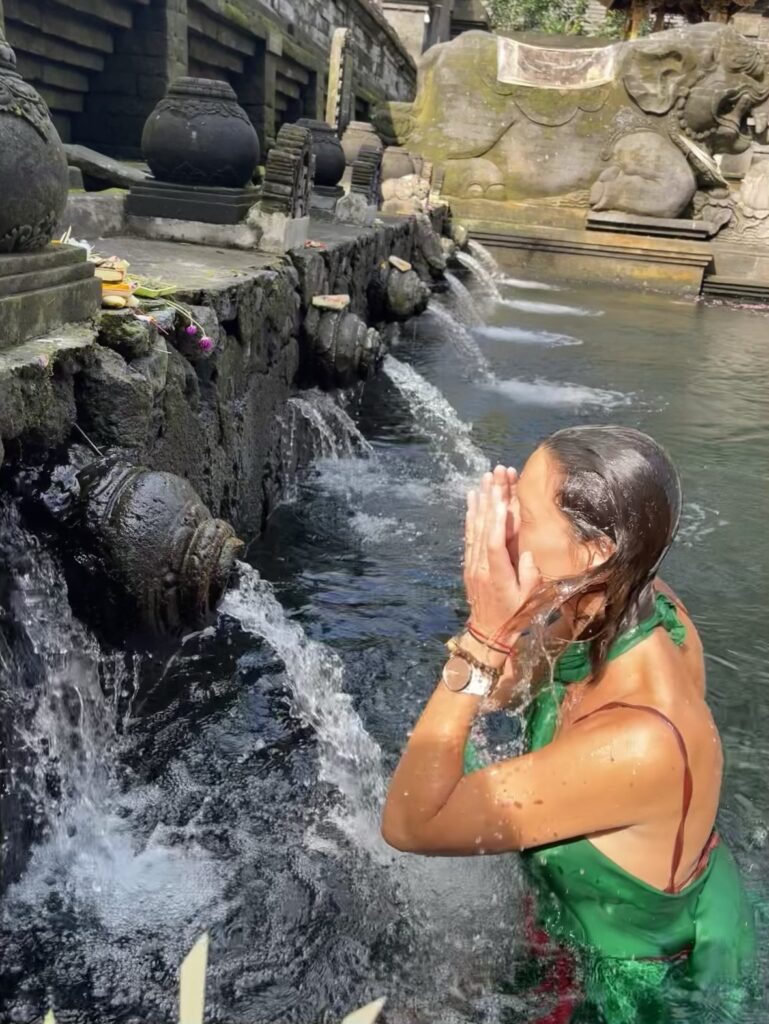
[{"x": 672, "y": 265}]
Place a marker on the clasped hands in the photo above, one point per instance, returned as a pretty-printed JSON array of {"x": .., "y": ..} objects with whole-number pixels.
[{"x": 500, "y": 580}]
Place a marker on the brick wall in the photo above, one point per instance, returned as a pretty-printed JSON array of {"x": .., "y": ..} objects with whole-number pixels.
[{"x": 102, "y": 65}]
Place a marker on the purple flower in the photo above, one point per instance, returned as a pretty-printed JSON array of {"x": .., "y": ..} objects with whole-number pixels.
[
  {"x": 191, "y": 329},
  {"x": 206, "y": 343}
]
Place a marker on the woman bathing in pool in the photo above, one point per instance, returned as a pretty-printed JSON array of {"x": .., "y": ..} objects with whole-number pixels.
[{"x": 613, "y": 803}]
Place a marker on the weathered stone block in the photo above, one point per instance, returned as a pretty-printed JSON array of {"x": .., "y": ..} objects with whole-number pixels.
[
  {"x": 126, "y": 333},
  {"x": 114, "y": 400}
]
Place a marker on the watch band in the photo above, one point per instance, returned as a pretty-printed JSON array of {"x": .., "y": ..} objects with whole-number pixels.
[{"x": 480, "y": 683}]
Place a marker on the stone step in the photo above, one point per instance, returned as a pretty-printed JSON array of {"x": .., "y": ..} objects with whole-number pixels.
[
  {"x": 15, "y": 284},
  {"x": 42, "y": 291},
  {"x": 736, "y": 287}
]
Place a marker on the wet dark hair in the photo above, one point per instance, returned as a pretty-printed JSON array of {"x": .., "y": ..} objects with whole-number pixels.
[{"x": 617, "y": 483}]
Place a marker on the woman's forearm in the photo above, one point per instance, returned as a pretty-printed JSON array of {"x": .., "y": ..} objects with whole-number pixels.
[{"x": 430, "y": 767}]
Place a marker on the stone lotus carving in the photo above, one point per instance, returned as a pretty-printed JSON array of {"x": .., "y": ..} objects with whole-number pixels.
[
  {"x": 198, "y": 135},
  {"x": 619, "y": 113},
  {"x": 33, "y": 167},
  {"x": 289, "y": 173}
]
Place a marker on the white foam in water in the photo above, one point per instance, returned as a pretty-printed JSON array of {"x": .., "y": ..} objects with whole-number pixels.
[
  {"x": 436, "y": 417},
  {"x": 463, "y": 341},
  {"x": 697, "y": 522},
  {"x": 544, "y": 392},
  {"x": 549, "y": 308},
  {"x": 527, "y": 285},
  {"x": 522, "y": 336}
]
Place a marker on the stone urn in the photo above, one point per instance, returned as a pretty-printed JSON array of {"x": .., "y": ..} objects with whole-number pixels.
[
  {"x": 33, "y": 167},
  {"x": 329, "y": 155},
  {"x": 198, "y": 135},
  {"x": 357, "y": 135},
  {"x": 152, "y": 538}
]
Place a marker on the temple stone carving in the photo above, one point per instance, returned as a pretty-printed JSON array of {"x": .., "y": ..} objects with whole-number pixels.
[
  {"x": 632, "y": 117},
  {"x": 203, "y": 152},
  {"x": 166, "y": 560},
  {"x": 289, "y": 173},
  {"x": 340, "y": 349},
  {"x": 395, "y": 294},
  {"x": 366, "y": 179},
  {"x": 281, "y": 217},
  {"x": 41, "y": 287},
  {"x": 329, "y": 166},
  {"x": 339, "y": 99}
]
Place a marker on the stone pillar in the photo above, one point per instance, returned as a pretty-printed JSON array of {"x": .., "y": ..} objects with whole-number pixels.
[{"x": 147, "y": 58}]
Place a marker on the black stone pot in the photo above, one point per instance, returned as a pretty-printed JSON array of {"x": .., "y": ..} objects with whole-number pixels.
[
  {"x": 33, "y": 167},
  {"x": 154, "y": 542},
  {"x": 198, "y": 135},
  {"x": 329, "y": 155}
]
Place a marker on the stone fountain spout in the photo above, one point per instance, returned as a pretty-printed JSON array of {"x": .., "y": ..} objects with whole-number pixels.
[{"x": 148, "y": 537}]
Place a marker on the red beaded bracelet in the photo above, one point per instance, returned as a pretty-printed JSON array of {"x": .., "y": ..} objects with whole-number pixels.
[{"x": 483, "y": 639}]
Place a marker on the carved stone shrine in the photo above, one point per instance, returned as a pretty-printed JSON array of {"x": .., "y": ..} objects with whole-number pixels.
[
  {"x": 329, "y": 167},
  {"x": 41, "y": 286},
  {"x": 282, "y": 214},
  {"x": 202, "y": 150}
]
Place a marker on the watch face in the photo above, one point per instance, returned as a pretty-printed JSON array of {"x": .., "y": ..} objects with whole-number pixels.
[{"x": 456, "y": 674}]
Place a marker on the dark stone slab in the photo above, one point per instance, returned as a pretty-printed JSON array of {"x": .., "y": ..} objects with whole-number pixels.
[
  {"x": 42, "y": 291},
  {"x": 97, "y": 165},
  {"x": 210, "y": 205}
]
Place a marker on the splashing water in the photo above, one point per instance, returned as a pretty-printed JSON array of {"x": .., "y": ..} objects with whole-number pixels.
[
  {"x": 522, "y": 336},
  {"x": 544, "y": 392},
  {"x": 448, "y": 434},
  {"x": 463, "y": 305},
  {"x": 485, "y": 280},
  {"x": 463, "y": 342},
  {"x": 349, "y": 759},
  {"x": 549, "y": 308},
  {"x": 484, "y": 257},
  {"x": 333, "y": 431}
]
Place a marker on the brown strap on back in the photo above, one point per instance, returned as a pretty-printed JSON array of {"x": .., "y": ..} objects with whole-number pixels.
[{"x": 688, "y": 787}]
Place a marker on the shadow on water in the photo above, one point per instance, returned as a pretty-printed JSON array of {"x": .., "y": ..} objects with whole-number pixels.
[{"x": 236, "y": 785}]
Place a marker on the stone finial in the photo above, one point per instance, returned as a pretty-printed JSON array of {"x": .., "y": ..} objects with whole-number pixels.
[
  {"x": 289, "y": 173},
  {"x": 339, "y": 98},
  {"x": 367, "y": 175},
  {"x": 33, "y": 168}
]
